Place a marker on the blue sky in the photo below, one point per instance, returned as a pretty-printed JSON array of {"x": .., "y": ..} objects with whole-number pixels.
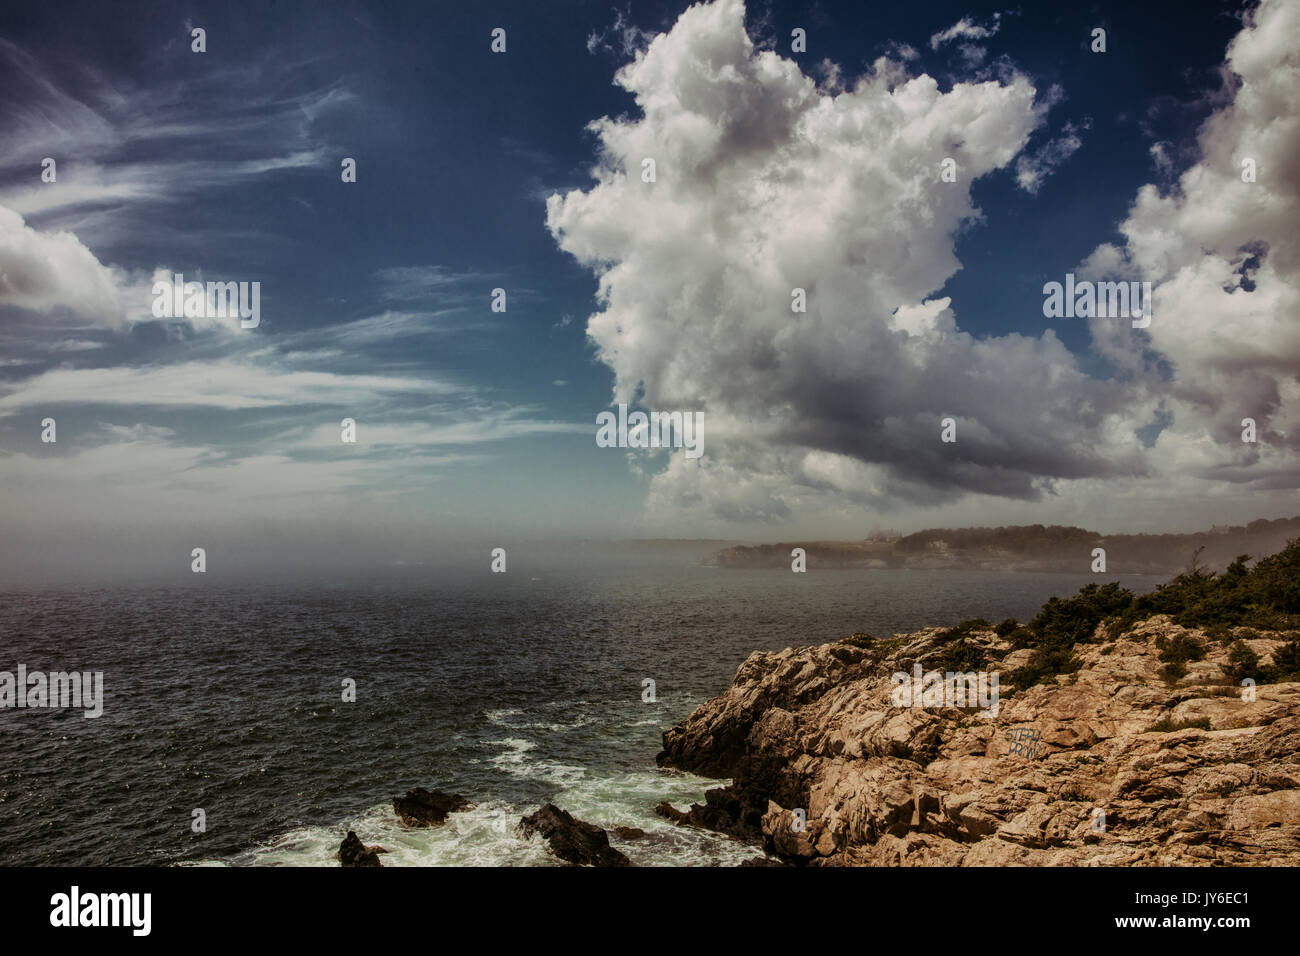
[{"x": 225, "y": 165}]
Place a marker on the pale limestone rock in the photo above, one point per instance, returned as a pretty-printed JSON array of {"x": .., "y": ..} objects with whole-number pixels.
[{"x": 890, "y": 786}]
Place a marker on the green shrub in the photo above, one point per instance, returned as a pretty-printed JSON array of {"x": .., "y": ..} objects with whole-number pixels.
[
  {"x": 1172, "y": 671},
  {"x": 963, "y": 630},
  {"x": 860, "y": 639},
  {"x": 1219, "y": 633},
  {"x": 1046, "y": 662},
  {"x": 1286, "y": 660},
  {"x": 960, "y": 656},
  {"x": 1180, "y": 648},
  {"x": 1073, "y": 620},
  {"x": 1242, "y": 663},
  {"x": 1022, "y": 637},
  {"x": 1176, "y": 651}
]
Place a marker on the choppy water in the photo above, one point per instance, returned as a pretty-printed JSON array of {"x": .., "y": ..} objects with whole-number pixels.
[{"x": 511, "y": 689}]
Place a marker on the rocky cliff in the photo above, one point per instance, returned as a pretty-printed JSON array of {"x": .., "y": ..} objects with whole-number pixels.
[{"x": 1121, "y": 762}]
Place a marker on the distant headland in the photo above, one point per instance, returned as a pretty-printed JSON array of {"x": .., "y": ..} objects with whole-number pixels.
[{"x": 1023, "y": 548}]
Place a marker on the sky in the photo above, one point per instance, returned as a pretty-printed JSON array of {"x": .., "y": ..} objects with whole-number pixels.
[{"x": 775, "y": 168}]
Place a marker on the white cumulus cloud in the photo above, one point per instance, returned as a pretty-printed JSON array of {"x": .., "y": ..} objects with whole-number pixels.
[
  {"x": 764, "y": 184},
  {"x": 1223, "y": 256}
]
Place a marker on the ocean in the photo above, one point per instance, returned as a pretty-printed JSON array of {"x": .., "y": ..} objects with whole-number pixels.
[{"x": 227, "y": 696}]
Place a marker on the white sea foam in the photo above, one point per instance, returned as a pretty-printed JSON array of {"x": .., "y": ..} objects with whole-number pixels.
[
  {"x": 487, "y": 835},
  {"x": 514, "y": 760},
  {"x": 516, "y": 719}
]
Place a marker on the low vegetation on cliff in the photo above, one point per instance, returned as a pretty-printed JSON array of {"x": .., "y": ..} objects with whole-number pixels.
[{"x": 1266, "y": 597}]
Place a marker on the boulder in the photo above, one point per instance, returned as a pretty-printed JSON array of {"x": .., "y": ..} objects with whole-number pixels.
[
  {"x": 665, "y": 809},
  {"x": 352, "y": 852},
  {"x": 571, "y": 839},
  {"x": 427, "y": 808}
]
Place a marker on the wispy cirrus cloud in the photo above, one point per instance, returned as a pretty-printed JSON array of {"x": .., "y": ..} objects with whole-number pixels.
[
  {"x": 224, "y": 384},
  {"x": 1033, "y": 168},
  {"x": 122, "y": 149},
  {"x": 967, "y": 28}
]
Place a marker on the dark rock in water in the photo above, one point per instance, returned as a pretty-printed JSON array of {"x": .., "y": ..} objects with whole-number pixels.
[
  {"x": 425, "y": 808},
  {"x": 722, "y": 811},
  {"x": 353, "y": 852},
  {"x": 666, "y": 809},
  {"x": 763, "y": 861},
  {"x": 629, "y": 833},
  {"x": 571, "y": 839}
]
